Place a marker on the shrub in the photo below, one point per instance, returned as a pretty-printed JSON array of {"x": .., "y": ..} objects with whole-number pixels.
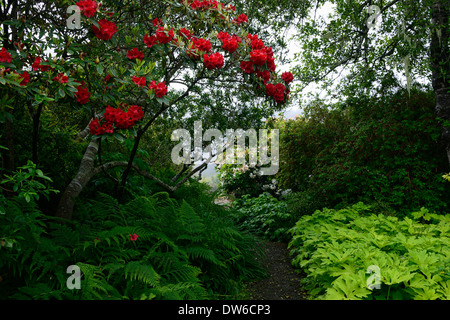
[
  {"x": 335, "y": 248},
  {"x": 264, "y": 216},
  {"x": 149, "y": 248},
  {"x": 384, "y": 150}
]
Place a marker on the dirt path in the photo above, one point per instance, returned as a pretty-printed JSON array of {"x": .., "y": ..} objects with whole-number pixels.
[{"x": 283, "y": 282}]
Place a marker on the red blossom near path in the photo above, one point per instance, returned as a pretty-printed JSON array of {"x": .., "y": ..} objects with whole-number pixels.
[
  {"x": 106, "y": 31},
  {"x": 5, "y": 56},
  {"x": 288, "y": 77},
  {"x": 135, "y": 54},
  {"x": 160, "y": 88},
  {"x": 87, "y": 7},
  {"x": 140, "y": 81},
  {"x": 133, "y": 237}
]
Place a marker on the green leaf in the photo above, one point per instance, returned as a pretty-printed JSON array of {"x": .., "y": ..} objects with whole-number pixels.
[{"x": 100, "y": 69}]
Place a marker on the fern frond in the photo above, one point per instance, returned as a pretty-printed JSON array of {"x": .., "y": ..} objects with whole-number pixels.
[{"x": 144, "y": 273}]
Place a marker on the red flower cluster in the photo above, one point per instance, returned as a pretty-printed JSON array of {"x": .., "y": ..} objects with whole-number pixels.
[
  {"x": 61, "y": 78},
  {"x": 160, "y": 88},
  {"x": 82, "y": 94},
  {"x": 97, "y": 129},
  {"x": 197, "y": 47},
  {"x": 140, "y": 81},
  {"x": 135, "y": 54},
  {"x": 87, "y": 7},
  {"x": 150, "y": 41},
  {"x": 230, "y": 43},
  {"x": 5, "y": 56},
  {"x": 213, "y": 61},
  {"x": 24, "y": 78},
  {"x": 157, "y": 22},
  {"x": 164, "y": 36},
  {"x": 288, "y": 77},
  {"x": 185, "y": 33},
  {"x": 106, "y": 31},
  {"x": 37, "y": 65},
  {"x": 204, "y": 5},
  {"x": 276, "y": 91},
  {"x": 116, "y": 117},
  {"x": 241, "y": 19}
]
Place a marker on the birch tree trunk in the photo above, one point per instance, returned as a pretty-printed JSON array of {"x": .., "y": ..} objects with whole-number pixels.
[
  {"x": 440, "y": 64},
  {"x": 83, "y": 176}
]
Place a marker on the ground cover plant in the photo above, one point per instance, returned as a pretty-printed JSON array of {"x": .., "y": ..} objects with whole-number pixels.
[
  {"x": 149, "y": 248},
  {"x": 339, "y": 250}
]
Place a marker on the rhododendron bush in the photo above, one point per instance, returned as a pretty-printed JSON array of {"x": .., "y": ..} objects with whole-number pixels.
[{"x": 126, "y": 67}]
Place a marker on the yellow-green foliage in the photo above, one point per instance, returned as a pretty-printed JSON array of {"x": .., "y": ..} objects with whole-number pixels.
[{"x": 335, "y": 248}]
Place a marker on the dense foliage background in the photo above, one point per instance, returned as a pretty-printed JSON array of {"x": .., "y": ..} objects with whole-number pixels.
[{"x": 364, "y": 172}]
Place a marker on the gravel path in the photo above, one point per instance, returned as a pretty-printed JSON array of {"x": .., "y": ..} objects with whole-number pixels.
[{"x": 283, "y": 282}]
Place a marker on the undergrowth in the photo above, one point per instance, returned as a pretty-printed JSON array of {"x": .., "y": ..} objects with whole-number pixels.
[
  {"x": 355, "y": 253},
  {"x": 149, "y": 248}
]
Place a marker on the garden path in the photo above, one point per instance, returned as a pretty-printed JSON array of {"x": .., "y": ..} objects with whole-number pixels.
[{"x": 283, "y": 282}]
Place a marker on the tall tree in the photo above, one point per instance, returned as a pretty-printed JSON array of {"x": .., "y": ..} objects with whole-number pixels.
[
  {"x": 131, "y": 63},
  {"x": 379, "y": 45}
]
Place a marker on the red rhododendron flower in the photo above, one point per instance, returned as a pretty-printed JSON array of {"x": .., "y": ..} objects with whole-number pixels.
[
  {"x": 150, "y": 41},
  {"x": 133, "y": 237},
  {"x": 265, "y": 75},
  {"x": 135, "y": 113},
  {"x": 164, "y": 36},
  {"x": 223, "y": 36},
  {"x": 87, "y": 7},
  {"x": 279, "y": 92},
  {"x": 288, "y": 77},
  {"x": 240, "y": 19},
  {"x": 202, "y": 44},
  {"x": 247, "y": 66},
  {"x": 157, "y": 22},
  {"x": 140, "y": 81},
  {"x": 271, "y": 64},
  {"x": 24, "y": 78},
  {"x": 5, "y": 56},
  {"x": 231, "y": 45},
  {"x": 135, "y": 54},
  {"x": 213, "y": 61},
  {"x": 82, "y": 94},
  {"x": 160, "y": 88},
  {"x": 36, "y": 63},
  {"x": 258, "y": 57},
  {"x": 97, "y": 129},
  {"x": 61, "y": 78},
  {"x": 106, "y": 31},
  {"x": 185, "y": 33}
]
